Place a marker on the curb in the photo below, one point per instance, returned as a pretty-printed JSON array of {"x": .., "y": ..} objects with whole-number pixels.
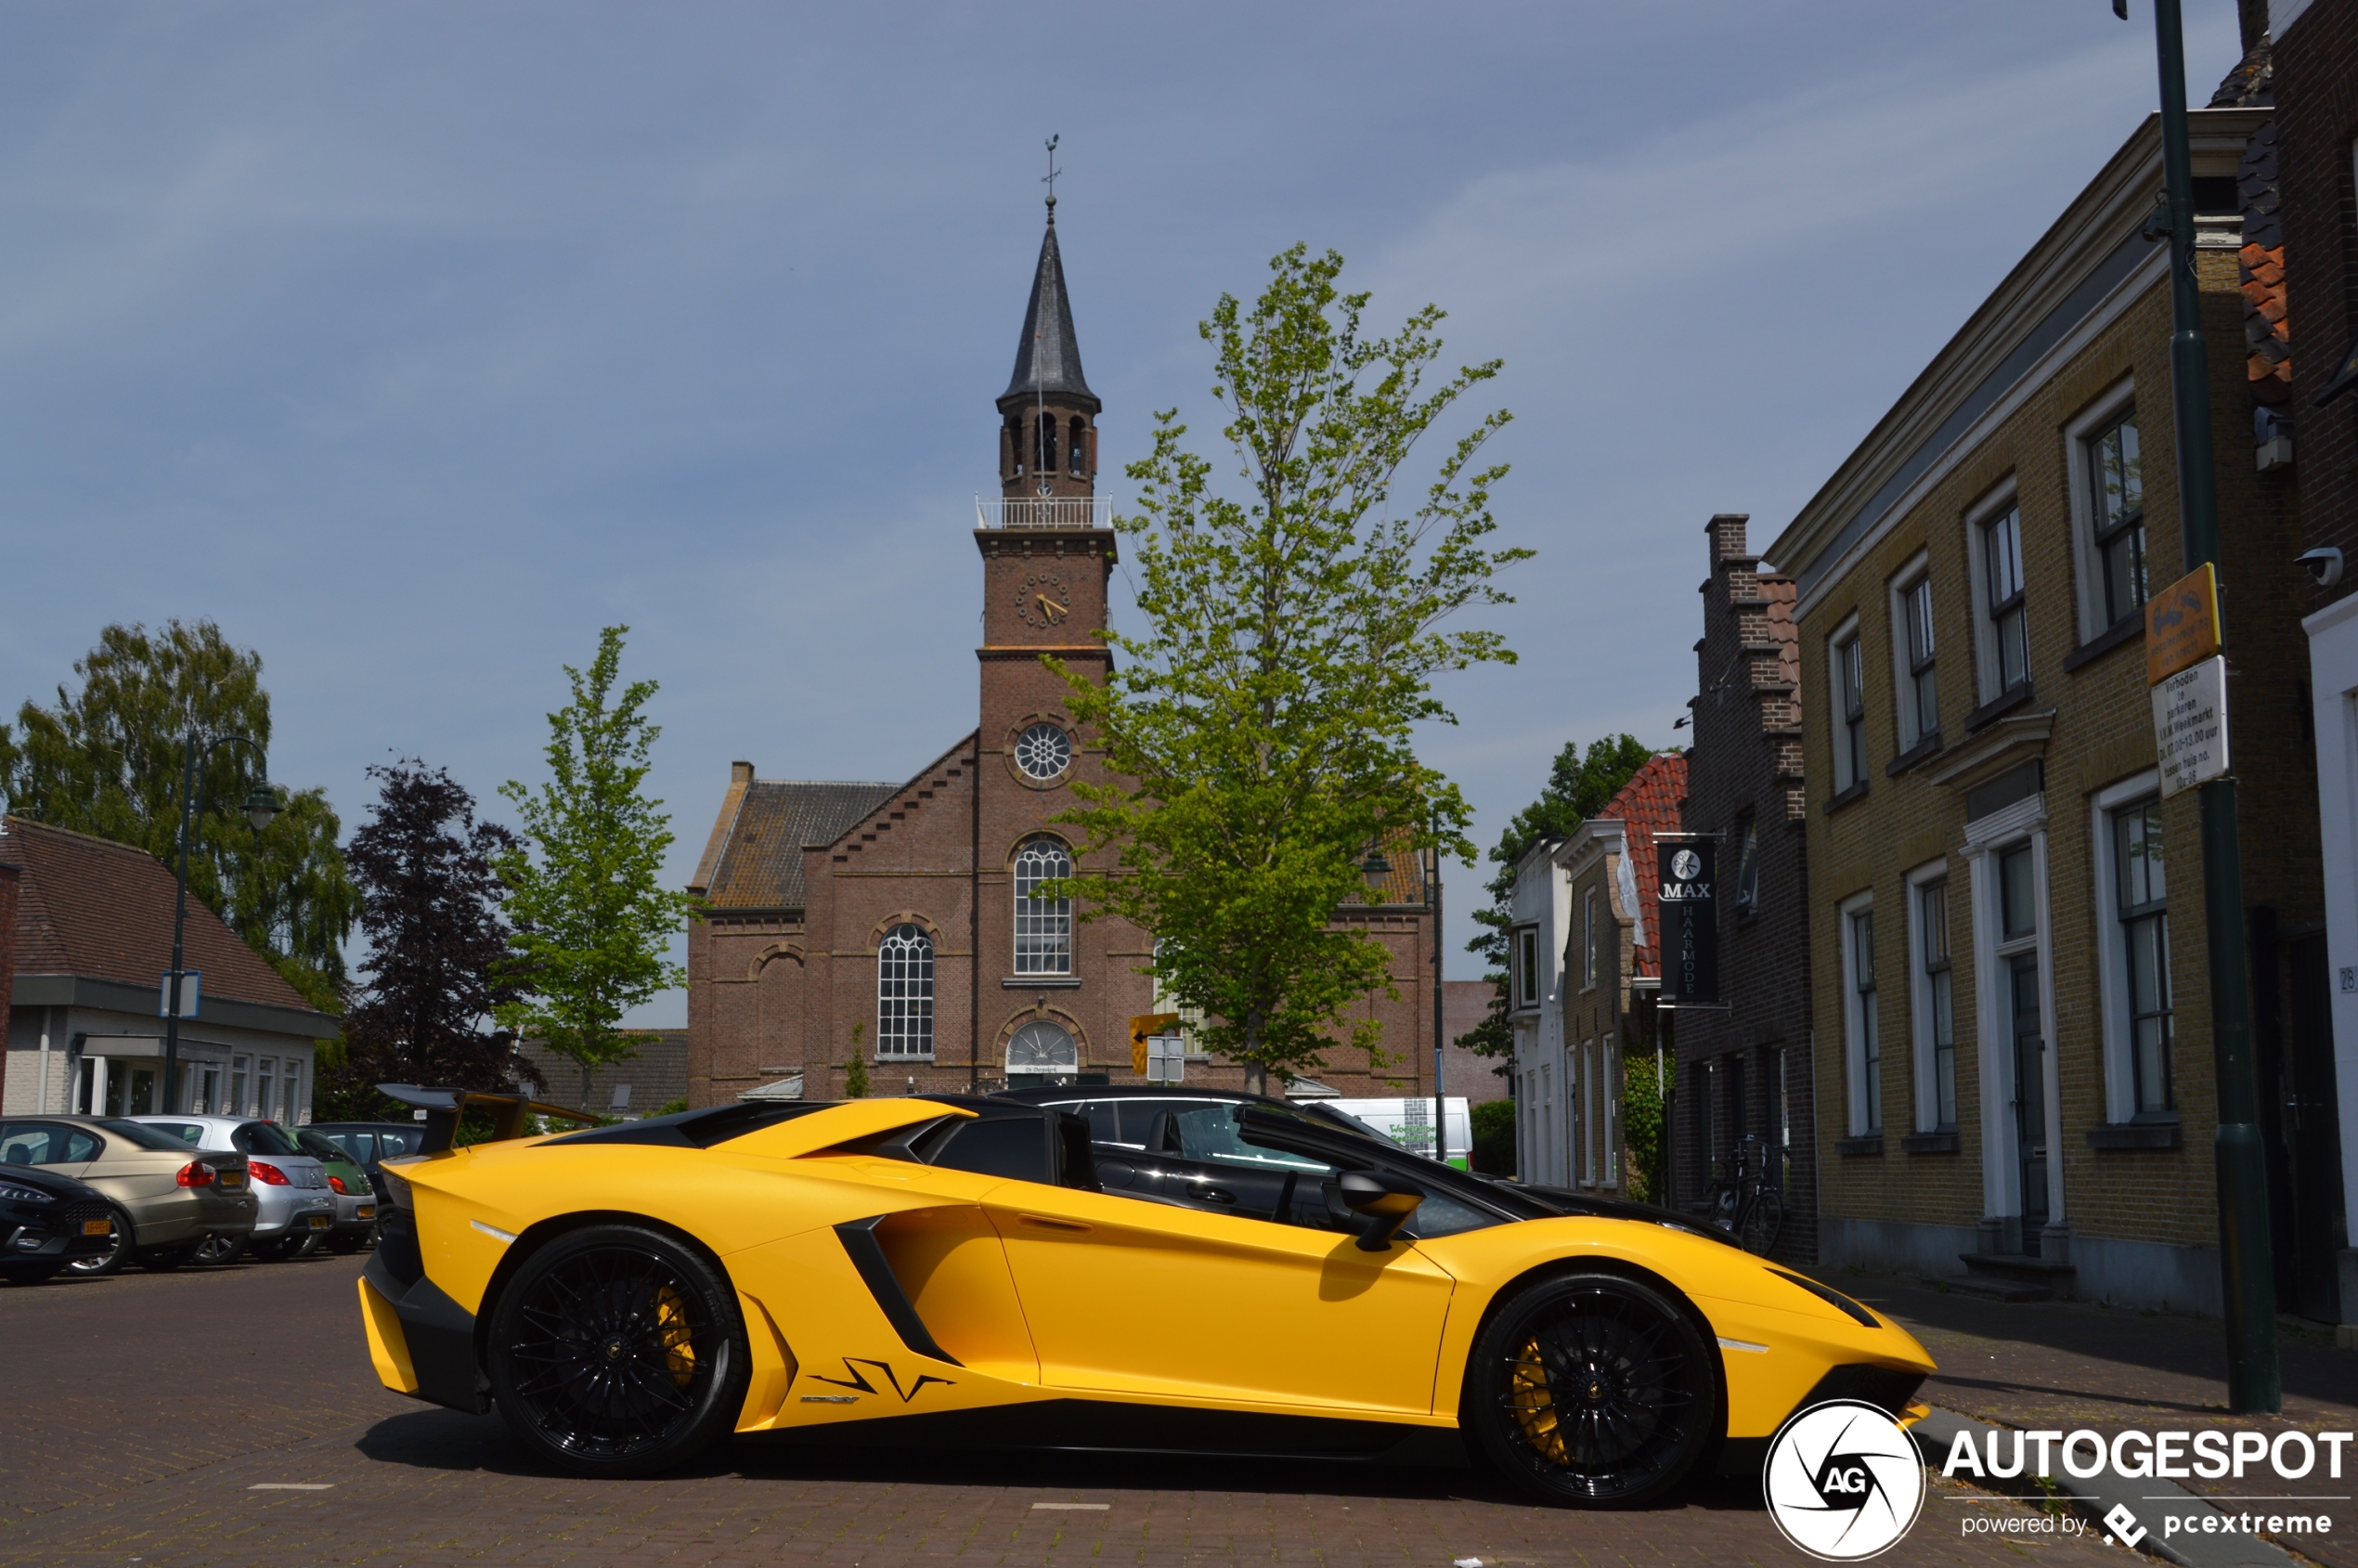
[{"x": 2150, "y": 1500}]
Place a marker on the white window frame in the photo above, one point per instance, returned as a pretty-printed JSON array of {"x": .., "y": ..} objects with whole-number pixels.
[
  {"x": 1588, "y": 939},
  {"x": 1837, "y": 708},
  {"x": 2121, "y": 1066},
  {"x": 1525, "y": 971},
  {"x": 1864, "y": 1115},
  {"x": 913, "y": 1042},
  {"x": 1609, "y": 1064},
  {"x": 1924, "y": 1036},
  {"x": 1587, "y": 1113},
  {"x": 1910, "y": 730},
  {"x": 2087, "y": 571},
  {"x": 1050, "y": 931},
  {"x": 1989, "y": 683}
]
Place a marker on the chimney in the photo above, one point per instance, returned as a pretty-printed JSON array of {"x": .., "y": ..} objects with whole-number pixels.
[
  {"x": 741, "y": 772},
  {"x": 1726, "y": 531}
]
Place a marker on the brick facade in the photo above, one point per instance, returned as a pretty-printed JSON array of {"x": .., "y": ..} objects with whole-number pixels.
[
  {"x": 2038, "y": 765},
  {"x": 1746, "y": 1070},
  {"x": 804, "y": 882}
]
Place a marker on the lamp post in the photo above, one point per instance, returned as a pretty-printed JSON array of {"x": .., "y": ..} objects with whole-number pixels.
[
  {"x": 2253, "y": 1379},
  {"x": 262, "y": 805}
]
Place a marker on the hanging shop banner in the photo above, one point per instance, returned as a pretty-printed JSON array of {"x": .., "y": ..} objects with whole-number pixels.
[
  {"x": 2190, "y": 725},
  {"x": 1689, "y": 913}
]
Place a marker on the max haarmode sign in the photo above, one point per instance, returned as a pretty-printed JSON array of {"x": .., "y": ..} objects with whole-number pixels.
[{"x": 1689, "y": 918}]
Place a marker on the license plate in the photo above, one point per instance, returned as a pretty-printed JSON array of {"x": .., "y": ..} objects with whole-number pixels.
[
  {"x": 368, "y": 1211},
  {"x": 98, "y": 1227},
  {"x": 232, "y": 1180},
  {"x": 320, "y": 1222}
]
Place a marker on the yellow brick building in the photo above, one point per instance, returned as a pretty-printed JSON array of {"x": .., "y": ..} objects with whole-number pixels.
[{"x": 2012, "y": 1045}]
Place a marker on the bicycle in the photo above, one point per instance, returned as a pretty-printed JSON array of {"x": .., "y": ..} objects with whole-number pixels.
[{"x": 1749, "y": 1207}]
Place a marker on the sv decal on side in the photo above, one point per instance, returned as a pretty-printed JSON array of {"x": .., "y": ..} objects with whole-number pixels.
[{"x": 856, "y": 1379}]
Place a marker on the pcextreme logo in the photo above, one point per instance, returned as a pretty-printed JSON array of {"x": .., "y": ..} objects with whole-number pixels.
[{"x": 1844, "y": 1481}]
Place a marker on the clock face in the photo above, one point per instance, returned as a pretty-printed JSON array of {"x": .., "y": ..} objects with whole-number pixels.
[{"x": 1042, "y": 601}]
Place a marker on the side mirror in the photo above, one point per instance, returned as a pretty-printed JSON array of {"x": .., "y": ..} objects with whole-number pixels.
[{"x": 1383, "y": 1202}]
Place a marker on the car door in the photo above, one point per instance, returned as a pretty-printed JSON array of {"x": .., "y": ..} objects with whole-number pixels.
[{"x": 1125, "y": 1294}]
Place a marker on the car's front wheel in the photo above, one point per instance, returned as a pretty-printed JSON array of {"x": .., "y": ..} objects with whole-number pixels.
[
  {"x": 616, "y": 1351},
  {"x": 118, "y": 1252},
  {"x": 1591, "y": 1390}
]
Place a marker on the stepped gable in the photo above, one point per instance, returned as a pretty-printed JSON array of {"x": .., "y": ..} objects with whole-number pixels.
[
  {"x": 94, "y": 908},
  {"x": 935, "y": 778},
  {"x": 1648, "y": 803},
  {"x": 757, "y": 863}
]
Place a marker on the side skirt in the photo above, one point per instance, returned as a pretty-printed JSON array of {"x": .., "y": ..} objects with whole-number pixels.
[{"x": 1083, "y": 1425}]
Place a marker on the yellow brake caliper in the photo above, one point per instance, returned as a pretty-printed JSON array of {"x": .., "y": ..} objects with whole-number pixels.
[
  {"x": 1533, "y": 1406},
  {"x": 679, "y": 1343}
]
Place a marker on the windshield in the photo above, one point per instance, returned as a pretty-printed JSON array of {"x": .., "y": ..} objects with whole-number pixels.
[
  {"x": 319, "y": 1146},
  {"x": 146, "y": 1137}
]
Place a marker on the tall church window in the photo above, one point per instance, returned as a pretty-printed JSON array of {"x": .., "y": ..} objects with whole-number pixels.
[
  {"x": 1043, "y": 925},
  {"x": 1014, "y": 459},
  {"x": 904, "y": 992},
  {"x": 1079, "y": 446},
  {"x": 1045, "y": 458}
]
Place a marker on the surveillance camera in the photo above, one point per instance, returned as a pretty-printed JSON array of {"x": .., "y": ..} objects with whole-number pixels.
[{"x": 2323, "y": 565}]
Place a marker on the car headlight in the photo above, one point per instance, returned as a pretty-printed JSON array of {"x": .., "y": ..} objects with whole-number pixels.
[{"x": 15, "y": 1194}]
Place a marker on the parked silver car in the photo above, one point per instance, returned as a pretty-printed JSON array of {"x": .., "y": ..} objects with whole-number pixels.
[{"x": 297, "y": 1208}]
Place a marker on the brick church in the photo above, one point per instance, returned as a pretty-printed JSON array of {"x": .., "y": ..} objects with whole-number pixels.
[{"x": 897, "y": 920}]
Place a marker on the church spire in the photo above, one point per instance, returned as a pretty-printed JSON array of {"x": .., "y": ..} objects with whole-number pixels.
[{"x": 1048, "y": 356}]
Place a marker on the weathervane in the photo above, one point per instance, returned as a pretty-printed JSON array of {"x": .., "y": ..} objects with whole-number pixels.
[
  {"x": 1039, "y": 398},
  {"x": 1052, "y": 172}
]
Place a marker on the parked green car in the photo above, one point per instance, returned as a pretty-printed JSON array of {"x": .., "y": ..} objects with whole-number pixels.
[{"x": 356, "y": 1202}]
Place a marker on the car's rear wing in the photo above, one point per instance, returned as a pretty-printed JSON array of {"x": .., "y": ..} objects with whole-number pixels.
[{"x": 443, "y": 1108}]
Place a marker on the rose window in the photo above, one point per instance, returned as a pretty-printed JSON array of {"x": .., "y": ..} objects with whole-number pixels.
[{"x": 1044, "y": 751}]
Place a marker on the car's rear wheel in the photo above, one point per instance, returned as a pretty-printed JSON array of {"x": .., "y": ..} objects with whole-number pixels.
[
  {"x": 616, "y": 1351},
  {"x": 219, "y": 1248},
  {"x": 118, "y": 1252},
  {"x": 1591, "y": 1390}
]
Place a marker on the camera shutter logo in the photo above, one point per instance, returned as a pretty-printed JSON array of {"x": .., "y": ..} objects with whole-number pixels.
[
  {"x": 1844, "y": 1481},
  {"x": 1686, "y": 865}
]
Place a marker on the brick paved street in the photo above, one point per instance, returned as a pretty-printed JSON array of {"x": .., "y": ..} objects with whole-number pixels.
[{"x": 143, "y": 1411}]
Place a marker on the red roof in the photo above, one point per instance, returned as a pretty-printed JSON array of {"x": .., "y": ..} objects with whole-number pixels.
[
  {"x": 1648, "y": 804},
  {"x": 103, "y": 911}
]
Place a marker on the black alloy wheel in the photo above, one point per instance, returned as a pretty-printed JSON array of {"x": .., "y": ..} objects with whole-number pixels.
[
  {"x": 1592, "y": 1389},
  {"x": 615, "y": 1350},
  {"x": 118, "y": 1252}
]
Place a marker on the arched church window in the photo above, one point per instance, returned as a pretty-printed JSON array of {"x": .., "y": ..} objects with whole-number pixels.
[
  {"x": 904, "y": 992},
  {"x": 1043, "y": 927},
  {"x": 1012, "y": 461},
  {"x": 1042, "y": 1050},
  {"x": 1079, "y": 446},
  {"x": 1046, "y": 457}
]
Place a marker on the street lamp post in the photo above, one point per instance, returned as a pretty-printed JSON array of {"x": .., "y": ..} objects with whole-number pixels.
[
  {"x": 261, "y": 804},
  {"x": 2253, "y": 1379}
]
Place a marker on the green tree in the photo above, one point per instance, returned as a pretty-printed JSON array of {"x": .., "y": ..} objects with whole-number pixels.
[
  {"x": 593, "y": 925},
  {"x": 855, "y": 1071},
  {"x": 1578, "y": 787},
  {"x": 107, "y": 760},
  {"x": 1259, "y": 728}
]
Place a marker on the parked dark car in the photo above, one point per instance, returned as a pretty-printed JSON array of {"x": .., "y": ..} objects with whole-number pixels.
[
  {"x": 47, "y": 1221},
  {"x": 367, "y": 1142}
]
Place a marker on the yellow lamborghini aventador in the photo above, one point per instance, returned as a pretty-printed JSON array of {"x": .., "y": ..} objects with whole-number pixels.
[{"x": 1243, "y": 1276}]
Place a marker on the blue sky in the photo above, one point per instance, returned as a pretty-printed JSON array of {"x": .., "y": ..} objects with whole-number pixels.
[{"x": 414, "y": 343}]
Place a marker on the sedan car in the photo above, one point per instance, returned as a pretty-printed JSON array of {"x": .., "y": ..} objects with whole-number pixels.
[
  {"x": 165, "y": 1201},
  {"x": 953, "y": 1269},
  {"x": 297, "y": 1207},
  {"x": 47, "y": 1221},
  {"x": 356, "y": 1202}
]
